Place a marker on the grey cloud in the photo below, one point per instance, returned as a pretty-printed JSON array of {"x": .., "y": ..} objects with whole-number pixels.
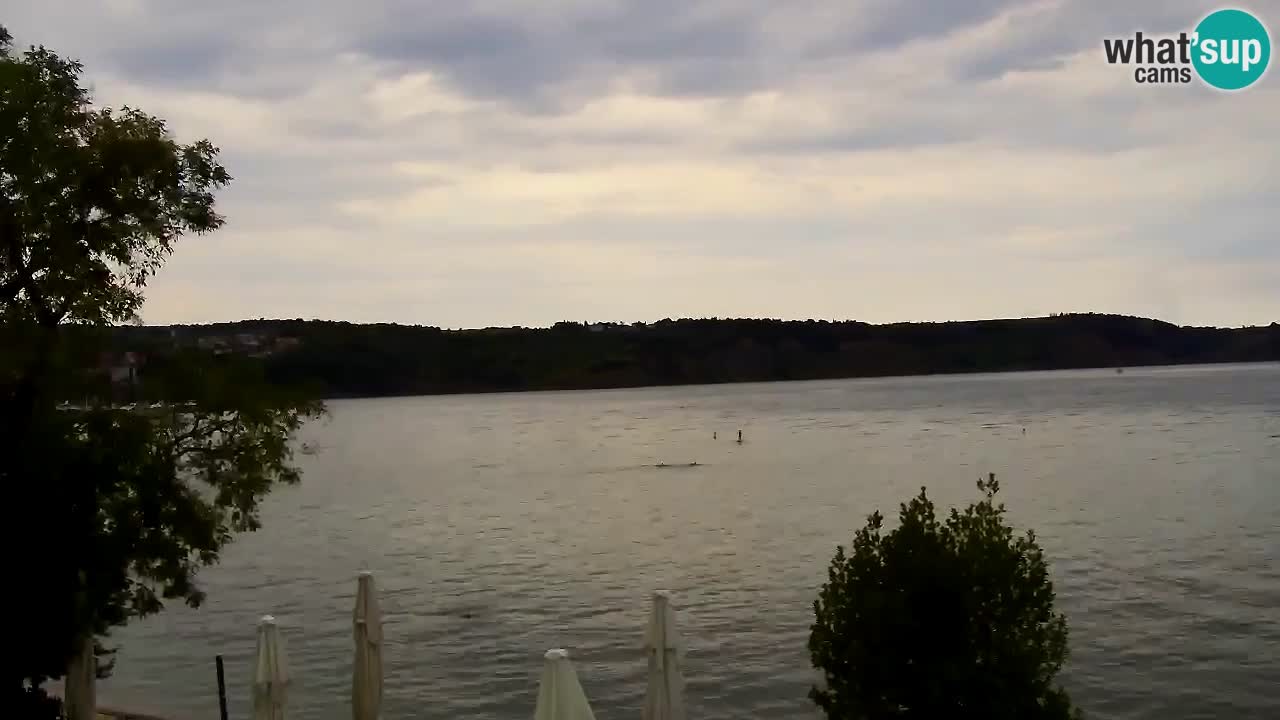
[
  {"x": 693, "y": 47},
  {"x": 281, "y": 191},
  {"x": 962, "y": 115},
  {"x": 1231, "y": 227},
  {"x": 891, "y": 23},
  {"x": 902, "y": 135},
  {"x": 233, "y": 47},
  {"x": 1041, "y": 40},
  {"x": 702, "y": 47},
  {"x": 522, "y": 58},
  {"x": 668, "y": 29},
  {"x": 481, "y": 57},
  {"x": 466, "y": 39},
  {"x": 1023, "y": 54},
  {"x": 718, "y": 77},
  {"x": 547, "y": 57},
  {"x": 184, "y": 43},
  {"x": 173, "y": 60}
]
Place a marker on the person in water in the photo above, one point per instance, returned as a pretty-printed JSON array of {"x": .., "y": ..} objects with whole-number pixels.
[{"x": 739, "y": 436}]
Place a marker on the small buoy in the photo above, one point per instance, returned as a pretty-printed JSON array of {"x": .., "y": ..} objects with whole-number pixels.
[
  {"x": 739, "y": 436},
  {"x": 713, "y": 436}
]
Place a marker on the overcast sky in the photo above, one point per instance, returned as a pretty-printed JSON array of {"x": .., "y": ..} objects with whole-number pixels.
[{"x": 476, "y": 163}]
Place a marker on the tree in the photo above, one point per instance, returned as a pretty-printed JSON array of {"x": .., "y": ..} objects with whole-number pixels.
[
  {"x": 938, "y": 618},
  {"x": 116, "y": 508}
]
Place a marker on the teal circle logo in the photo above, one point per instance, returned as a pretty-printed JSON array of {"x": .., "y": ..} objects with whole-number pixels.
[{"x": 1231, "y": 49}]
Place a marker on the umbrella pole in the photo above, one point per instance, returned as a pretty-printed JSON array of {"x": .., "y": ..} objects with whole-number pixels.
[{"x": 222, "y": 689}]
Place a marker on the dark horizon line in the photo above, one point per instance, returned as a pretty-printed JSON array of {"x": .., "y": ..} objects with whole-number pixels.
[{"x": 701, "y": 319}]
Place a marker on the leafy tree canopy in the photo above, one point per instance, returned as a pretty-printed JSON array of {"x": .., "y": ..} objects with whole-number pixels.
[
  {"x": 119, "y": 506},
  {"x": 940, "y": 618}
]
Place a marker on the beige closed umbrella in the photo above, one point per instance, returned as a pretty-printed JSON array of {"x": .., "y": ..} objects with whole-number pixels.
[
  {"x": 270, "y": 673},
  {"x": 79, "y": 686},
  {"x": 560, "y": 695},
  {"x": 366, "y": 676},
  {"x": 664, "y": 698}
]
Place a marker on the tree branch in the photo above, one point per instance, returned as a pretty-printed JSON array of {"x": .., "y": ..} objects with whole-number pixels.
[
  {"x": 10, "y": 289},
  {"x": 9, "y": 236},
  {"x": 197, "y": 431},
  {"x": 26, "y": 281}
]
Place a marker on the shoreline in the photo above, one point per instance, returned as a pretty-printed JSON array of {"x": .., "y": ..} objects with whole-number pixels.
[
  {"x": 109, "y": 713},
  {"x": 703, "y": 383}
]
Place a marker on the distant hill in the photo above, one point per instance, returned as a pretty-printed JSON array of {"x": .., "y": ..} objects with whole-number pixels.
[{"x": 345, "y": 359}]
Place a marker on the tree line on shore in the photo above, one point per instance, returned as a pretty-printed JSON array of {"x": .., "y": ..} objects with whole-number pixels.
[{"x": 343, "y": 359}]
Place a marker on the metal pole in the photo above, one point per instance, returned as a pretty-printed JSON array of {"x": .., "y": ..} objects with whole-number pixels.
[{"x": 222, "y": 689}]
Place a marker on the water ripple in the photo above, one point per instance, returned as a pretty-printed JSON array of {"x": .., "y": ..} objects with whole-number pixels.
[{"x": 1154, "y": 494}]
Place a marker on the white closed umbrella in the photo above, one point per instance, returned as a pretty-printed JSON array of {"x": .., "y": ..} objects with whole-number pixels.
[
  {"x": 366, "y": 677},
  {"x": 270, "y": 673},
  {"x": 79, "y": 687},
  {"x": 560, "y": 695},
  {"x": 664, "y": 698}
]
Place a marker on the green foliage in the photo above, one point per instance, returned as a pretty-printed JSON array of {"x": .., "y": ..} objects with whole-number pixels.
[
  {"x": 949, "y": 618},
  {"x": 120, "y": 505},
  {"x": 91, "y": 200}
]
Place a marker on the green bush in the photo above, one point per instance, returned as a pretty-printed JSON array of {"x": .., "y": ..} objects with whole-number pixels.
[{"x": 939, "y": 618}]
